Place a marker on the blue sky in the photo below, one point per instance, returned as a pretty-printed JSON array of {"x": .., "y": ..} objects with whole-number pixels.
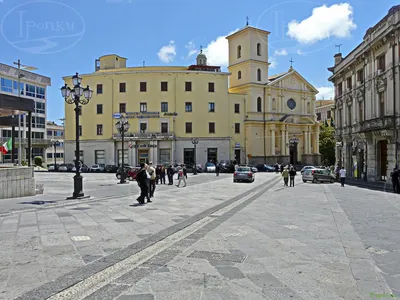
[{"x": 63, "y": 37}]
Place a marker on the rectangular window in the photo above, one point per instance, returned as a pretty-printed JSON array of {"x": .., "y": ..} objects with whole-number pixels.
[
  {"x": 211, "y": 127},
  {"x": 350, "y": 117},
  {"x": 122, "y": 108},
  {"x": 30, "y": 90},
  {"x": 188, "y": 127},
  {"x": 381, "y": 62},
  {"x": 360, "y": 76},
  {"x": 7, "y": 85},
  {"x": 143, "y": 86},
  {"x": 122, "y": 87},
  {"x": 360, "y": 111},
  {"x": 99, "y": 89},
  {"x": 164, "y": 127},
  {"x": 143, "y": 107},
  {"x": 237, "y": 127},
  {"x": 40, "y": 92},
  {"x": 340, "y": 89},
  {"x": 165, "y": 156},
  {"x": 40, "y": 108},
  {"x": 143, "y": 127},
  {"x": 328, "y": 114},
  {"x": 49, "y": 133},
  {"x": 99, "y": 109},
  {"x": 211, "y": 107},
  {"x": 99, "y": 129},
  {"x": 188, "y": 86},
  {"x": 38, "y": 122},
  {"x": 164, "y": 86},
  {"x": 319, "y": 116},
  {"x": 99, "y": 157},
  {"x": 80, "y": 130},
  {"x": 381, "y": 104},
  {"x": 164, "y": 106},
  {"x": 188, "y": 156},
  {"x": 349, "y": 83},
  {"x": 15, "y": 87},
  {"x": 237, "y": 108},
  {"x": 188, "y": 106},
  {"x": 211, "y": 87},
  {"x": 49, "y": 155},
  {"x": 212, "y": 155}
]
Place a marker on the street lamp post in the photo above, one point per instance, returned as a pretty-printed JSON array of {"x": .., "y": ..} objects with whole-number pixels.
[
  {"x": 153, "y": 139},
  {"x": 55, "y": 144},
  {"x": 195, "y": 141},
  {"x": 77, "y": 96},
  {"x": 122, "y": 127}
]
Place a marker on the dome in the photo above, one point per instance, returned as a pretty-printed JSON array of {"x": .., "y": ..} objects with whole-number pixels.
[{"x": 201, "y": 58}]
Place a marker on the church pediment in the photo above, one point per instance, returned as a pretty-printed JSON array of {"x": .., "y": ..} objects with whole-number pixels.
[
  {"x": 293, "y": 80},
  {"x": 290, "y": 119}
]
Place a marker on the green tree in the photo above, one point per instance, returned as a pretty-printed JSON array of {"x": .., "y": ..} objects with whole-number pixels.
[
  {"x": 38, "y": 161},
  {"x": 327, "y": 144}
]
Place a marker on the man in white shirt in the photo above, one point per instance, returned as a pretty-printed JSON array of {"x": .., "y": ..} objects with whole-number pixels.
[
  {"x": 152, "y": 173},
  {"x": 342, "y": 174}
]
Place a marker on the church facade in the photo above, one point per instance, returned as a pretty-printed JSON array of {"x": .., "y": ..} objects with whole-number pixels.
[{"x": 280, "y": 121}]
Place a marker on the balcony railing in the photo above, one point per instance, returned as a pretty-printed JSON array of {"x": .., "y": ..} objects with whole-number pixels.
[
  {"x": 24, "y": 141},
  {"x": 146, "y": 136},
  {"x": 378, "y": 124}
]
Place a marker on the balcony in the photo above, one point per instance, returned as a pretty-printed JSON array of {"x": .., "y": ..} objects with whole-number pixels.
[
  {"x": 35, "y": 142},
  {"x": 378, "y": 124},
  {"x": 146, "y": 136}
]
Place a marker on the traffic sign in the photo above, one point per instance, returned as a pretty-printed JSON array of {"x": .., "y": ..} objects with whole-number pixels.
[
  {"x": 237, "y": 145},
  {"x": 117, "y": 116}
]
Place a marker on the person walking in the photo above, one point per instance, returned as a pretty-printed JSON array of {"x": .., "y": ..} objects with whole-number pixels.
[
  {"x": 152, "y": 173},
  {"x": 141, "y": 179},
  {"x": 158, "y": 174},
  {"x": 181, "y": 176},
  {"x": 162, "y": 181},
  {"x": 292, "y": 175},
  {"x": 170, "y": 174},
  {"x": 285, "y": 175},
  {"x": 217, "y": 169},
  {"x": 395, "y": 179},
  {"x": 342, "y": 174}
]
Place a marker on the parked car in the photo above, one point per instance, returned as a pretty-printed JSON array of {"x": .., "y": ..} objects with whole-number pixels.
[
  {"x": 210, "y": 167},
  {"x": 307, "y": 168},
  {"x": 84, "y": 169},
  {"x": 53, "y": 168},
  {"x": 132, "y": 173},
  {"x": 265, "y": 168},
  {"x": 66, "y": 167},
  {"x": 111, "y": 169},
  {"x": 126, "y": 170},
  {"x": 243, "y": 174},
  {"x": 318, "y": 175},
  {"x": 96, "y": 168},
  {"x": 227, "y": 166},
  {"x": 253, "y": 169}
]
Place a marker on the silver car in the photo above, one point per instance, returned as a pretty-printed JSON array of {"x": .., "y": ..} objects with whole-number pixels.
[
  {"x": 243, "y": 174},
  {"x": 318, "y": 175}
]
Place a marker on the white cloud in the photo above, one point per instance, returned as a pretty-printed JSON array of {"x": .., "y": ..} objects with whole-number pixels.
[
  {"x": 325, "y": 92},
  {"x": 282, "y": 52},
  {"x": 167, "y": 53},
  {"x": 325, "y": 22},
  {"x": 273, "y": 62},
  {"x": 191, "y": 49},
  {"x": 217, "y": 51},
  {"x": 299, "y": 52}
]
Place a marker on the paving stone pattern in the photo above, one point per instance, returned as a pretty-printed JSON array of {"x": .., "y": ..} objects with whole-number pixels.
[{"x": 40, "y": 246}]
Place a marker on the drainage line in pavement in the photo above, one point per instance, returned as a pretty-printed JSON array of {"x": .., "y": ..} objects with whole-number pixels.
[{"x": 66, "y": 282}]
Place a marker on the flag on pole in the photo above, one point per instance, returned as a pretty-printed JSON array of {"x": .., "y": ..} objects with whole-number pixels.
[{"x": 7, "y": 146}]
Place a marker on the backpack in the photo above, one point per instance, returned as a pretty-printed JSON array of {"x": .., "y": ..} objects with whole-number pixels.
[{"x": 180, "y": 173}]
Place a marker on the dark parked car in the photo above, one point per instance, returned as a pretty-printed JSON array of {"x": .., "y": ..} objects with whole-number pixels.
[
  {"x": 227, "y": 166},
  {"x": 126, "y": 169},
  {"x": 265, "y": 168},
  {"x": 111, "y": 169}
]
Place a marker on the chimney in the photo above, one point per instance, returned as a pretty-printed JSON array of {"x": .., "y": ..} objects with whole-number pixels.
[{"x": 338, "y": 58}]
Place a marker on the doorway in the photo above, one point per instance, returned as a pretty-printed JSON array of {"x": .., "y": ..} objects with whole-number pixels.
[
  {"x": 293, "y": 153},
  {"x": 143, "y": 156},
  {"x": 237, "y": 156},
  {"x": 382, "y": 159}
]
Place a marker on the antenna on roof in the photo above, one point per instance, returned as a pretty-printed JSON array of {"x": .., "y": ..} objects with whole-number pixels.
[
  {"x": 247, "y": 21},
  {"x": 338, "y": 46},
  {"x": 144, "y": 63}
]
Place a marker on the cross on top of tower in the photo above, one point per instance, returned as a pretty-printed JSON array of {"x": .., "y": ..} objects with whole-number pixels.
[
  {"x": 201, "y": 49},
  {"x": 291, "y": 63},
  {"x": 247, "y": 21}
]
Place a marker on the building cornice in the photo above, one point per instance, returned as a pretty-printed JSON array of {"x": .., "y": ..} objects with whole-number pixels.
[
  {"x": 247, "y": 61},
  {"x": 12, "y": 72}
]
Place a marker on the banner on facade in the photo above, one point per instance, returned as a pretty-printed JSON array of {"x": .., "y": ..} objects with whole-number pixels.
[
  {"x": 142, "y": 146},
  {"x": 142, "y": 115}
]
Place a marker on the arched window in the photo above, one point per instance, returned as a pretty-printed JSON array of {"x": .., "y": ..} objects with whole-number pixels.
[
  {"x": 273, "y": 104},
  {"x": 259, "y": 104},
  {"x": 258, "y": 75},
  {"x": 239, "y": 51},
  {"x": 259, "y": 49},
  {"x": 308, "y": 107},
  {"x": 240, "y": 75}
]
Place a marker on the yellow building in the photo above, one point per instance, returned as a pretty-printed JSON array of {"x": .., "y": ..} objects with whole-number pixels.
[
  {"x": 325, "y": 111},
  {"x": 280, "y": 120},
  {"x": 166, "y": 107}
]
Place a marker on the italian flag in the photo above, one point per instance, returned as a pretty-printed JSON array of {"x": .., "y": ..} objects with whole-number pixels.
[{"x": 7, "y": 146}]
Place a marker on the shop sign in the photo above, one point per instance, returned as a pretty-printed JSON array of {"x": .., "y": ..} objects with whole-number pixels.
[
  {"x": 171, "y": 114},
  {"x": 117, "y": 116},
  {"x": 237, "y": 145},
  {"x": 142, "y": 115},
  {"x": 142, "y": 146}
]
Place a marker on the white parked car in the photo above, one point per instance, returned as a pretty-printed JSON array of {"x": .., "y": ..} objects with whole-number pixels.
[
  {"x": 210, "y": 167},
  {"x": 96, "y": 168}
]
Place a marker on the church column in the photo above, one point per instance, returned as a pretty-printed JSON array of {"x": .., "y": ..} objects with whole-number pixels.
[
  {"x": 273, "y": 141},
  {"x": 317, "y": 141},
  {"x": 305, "y": 140},
  {"x": 283, "y": 145},
  {"x": 269, "y": 103},
  {"x": 308, "y": 140},
  {"x": 287, "y": 141}
]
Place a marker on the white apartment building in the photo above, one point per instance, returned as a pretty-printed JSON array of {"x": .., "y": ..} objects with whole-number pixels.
[
  {"x": 32, "y": 86},
  {"x": 367, "y": 102},
  {"x": 55, "y": 151}
]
